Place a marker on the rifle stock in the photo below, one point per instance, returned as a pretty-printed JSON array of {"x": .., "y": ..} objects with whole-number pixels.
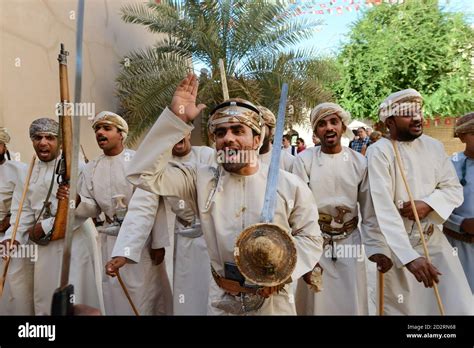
[{"x": 65, "y": 121}]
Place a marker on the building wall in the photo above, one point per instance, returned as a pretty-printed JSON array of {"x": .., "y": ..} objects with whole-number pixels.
[
  {"x": 31, "y": 32},
  {"x": 443, "y": 130}
]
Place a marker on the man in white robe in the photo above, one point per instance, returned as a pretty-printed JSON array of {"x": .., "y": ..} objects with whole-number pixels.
[
  {"x": 337, "y": 176},
  {"x": 230, "y": 198},
  {"x": 459, "y": 228},
  {"x": 265, "y": 153},
  {"x": 36, "y": 224},
  {"x": 136, "y": 243},
  {"x": 436, "y": 192},
  {"x": 17, "y": 298},
  {"x": 102, "y": 186},
  {"x": 190, "y": 271}
]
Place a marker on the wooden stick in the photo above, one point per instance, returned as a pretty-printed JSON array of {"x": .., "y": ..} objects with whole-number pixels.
[
  {"x": 418, "y": 224},
  {"x": 17, "y": 222},
  {"x": 124, "y": 288},
  {"x": 84, "y": 154},
  {"x": 225, "y": 91},
  {"x": 381, "y": 289}
]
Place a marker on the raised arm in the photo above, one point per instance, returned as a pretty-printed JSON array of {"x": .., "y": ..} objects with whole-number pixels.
[{"x": 150, "y": 169}]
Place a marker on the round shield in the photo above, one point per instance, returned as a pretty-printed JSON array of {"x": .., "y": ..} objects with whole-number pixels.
[{"x": 265, "y": 254}]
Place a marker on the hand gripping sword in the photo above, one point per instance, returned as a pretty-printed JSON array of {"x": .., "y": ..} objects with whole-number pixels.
[{"x": 265, "y": 274}]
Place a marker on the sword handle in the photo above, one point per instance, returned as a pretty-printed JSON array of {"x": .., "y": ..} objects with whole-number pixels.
[{"x": 63, "y": 301}]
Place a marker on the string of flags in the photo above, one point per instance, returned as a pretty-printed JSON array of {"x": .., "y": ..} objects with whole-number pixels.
[
  {"x": 338, "y": 7},
  {"x": 438, "y": 121}
]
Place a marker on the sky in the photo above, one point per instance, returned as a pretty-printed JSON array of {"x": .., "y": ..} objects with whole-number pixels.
[
  {"x": 336, "y": 20},
  {"x": 337, "y": 17},
  {"x": 340, "y": 14}
]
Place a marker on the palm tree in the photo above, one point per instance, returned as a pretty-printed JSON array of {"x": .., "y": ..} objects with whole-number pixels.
[{"x": 256, "y": 39}]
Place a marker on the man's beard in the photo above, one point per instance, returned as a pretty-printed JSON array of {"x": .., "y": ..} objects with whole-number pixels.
[
  {"x": 241, "y": 158},
  {"x": 265, "y": 145},
  {"x": 406, "y": 135},
  {"x": 234, "y": 167}
]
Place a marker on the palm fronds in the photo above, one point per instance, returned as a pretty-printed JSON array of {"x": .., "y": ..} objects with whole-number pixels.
[{"x": 255, "y": 38}]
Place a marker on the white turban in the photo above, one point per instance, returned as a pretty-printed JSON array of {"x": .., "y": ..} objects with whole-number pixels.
[
  {"x": 108, "y": 117},
  {"x": 4, "y": 136},
  {"x": 326, "y": 109},
  {"x": 407, "y": 101}
]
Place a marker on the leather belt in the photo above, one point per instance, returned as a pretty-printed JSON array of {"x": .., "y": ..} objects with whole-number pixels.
[
  {"x": 232, "y": 286},
  {"x": 463, "y": 237},
  {"x": 110, "y": 230},
  {"x": 336, "y": 233}
]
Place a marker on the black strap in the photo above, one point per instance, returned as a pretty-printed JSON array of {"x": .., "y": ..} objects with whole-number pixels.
[
  {"x": 463, "y": 172},
  {"x": 235, "y": 103}
]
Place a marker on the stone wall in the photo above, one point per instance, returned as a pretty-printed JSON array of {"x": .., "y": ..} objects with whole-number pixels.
[{"x": 31, "y": 32}]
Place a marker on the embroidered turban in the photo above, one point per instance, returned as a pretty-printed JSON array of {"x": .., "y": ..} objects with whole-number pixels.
[{"x": 44, "y": 125}]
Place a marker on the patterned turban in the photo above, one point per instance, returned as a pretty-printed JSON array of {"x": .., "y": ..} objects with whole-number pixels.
[
  {"x": 4, "y": 136},
  {"x": 465, "y": 124},
  {"x": 326, "y": 109},
  {"x": 44, "y": 125},
  {"x": 400, "y": 103},
  {"x": 268, "y": 117},
  {"x": 236, "y": 111},
  {"x": 108, "y": 117}
]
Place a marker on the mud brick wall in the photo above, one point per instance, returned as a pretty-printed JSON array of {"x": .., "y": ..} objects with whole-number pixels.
[{"x": 442, "y": 129}]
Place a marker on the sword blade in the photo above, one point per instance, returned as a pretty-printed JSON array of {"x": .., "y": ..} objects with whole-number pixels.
[
  {"x": 272, "y": 180},
  {"x": 75, "y": 153}
]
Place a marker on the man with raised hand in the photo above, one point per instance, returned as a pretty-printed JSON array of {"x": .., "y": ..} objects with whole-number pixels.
[{"x": 229, "y": 198}]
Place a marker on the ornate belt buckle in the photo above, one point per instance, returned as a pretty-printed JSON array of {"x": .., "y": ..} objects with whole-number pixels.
[{"x": 250, "y": 302}]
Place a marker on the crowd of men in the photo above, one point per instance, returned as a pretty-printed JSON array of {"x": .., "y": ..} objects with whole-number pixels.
[{"x": 168, "y": 216}]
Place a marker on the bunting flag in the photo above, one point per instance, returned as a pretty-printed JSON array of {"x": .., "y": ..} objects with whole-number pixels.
[
  {"x": 448, "y": 121},
  {"x": 338, "y": 7}
]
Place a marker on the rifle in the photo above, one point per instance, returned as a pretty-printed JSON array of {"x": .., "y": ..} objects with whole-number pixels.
[
  {"x": 65, "y": 125},
  {"x": 62, "y": 303},
  {"x": 63, "y": 297}
]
